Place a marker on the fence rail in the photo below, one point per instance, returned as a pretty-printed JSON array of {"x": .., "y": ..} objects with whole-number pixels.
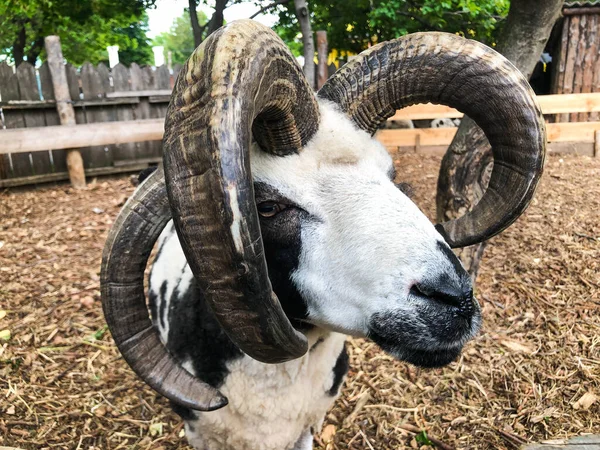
[
  {"x": 550, "y": 104},
  {"x": 98, "y": 95},
  {"x": 121, "y": 143}
]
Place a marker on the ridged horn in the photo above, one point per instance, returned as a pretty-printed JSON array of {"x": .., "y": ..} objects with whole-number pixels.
[
  {"x": 471, "y": 77},
  {"x": 124, "y": 259},
  {"x": 241, "y": 79}
]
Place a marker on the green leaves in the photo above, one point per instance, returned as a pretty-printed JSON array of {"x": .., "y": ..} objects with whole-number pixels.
[
  {"x": 372, "y": 21},
  {"x": 86, "y": 28}
]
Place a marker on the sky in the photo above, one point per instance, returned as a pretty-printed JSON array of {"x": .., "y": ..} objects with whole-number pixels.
[{"x": 161, "y": 18}]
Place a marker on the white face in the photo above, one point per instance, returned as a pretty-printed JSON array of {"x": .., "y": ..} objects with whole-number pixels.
[{"x": 371, "y": 263}]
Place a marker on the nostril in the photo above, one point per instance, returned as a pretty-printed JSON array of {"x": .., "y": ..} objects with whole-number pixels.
[{"x": 459, "y": 297}]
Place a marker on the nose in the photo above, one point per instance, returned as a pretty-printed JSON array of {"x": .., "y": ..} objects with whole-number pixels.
[{"x": 455, "y": 292}]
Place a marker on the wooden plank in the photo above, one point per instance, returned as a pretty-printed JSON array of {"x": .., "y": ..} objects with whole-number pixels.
[
  {"x": 571, "y": 148},
  {"x": 62, "y": 176},
  {"x": 93, "y": 87},
  {"x": 595, "y": 116},
  {"x": 579, "y": 58},
  {"x": 51, "y": 104},
  {"x": 570, "y": 60},
  {"x": 408, "y": 137},
  {"x": 148, "y": 79},
  {"x": 104, "y": 76},
  {"x": 28, "y": 87},
  {"x": 35, "y": 139},
  {"x": 589, "y": 60},
  {"x": 580, "y": 11},
  {"x": 146, "y": 110},
  {"x": 9, "y": 88},
  {"x": 141, "y": 93},
  {"x": 121, "y": 84},
  {"x": 75, "y": 93},
  {"x": 142, "y": 79},
  {"x": 559, "y": 148},
  {"x": 159, "y": 104},
  {"x": 20, "y": 164},
  {"x": 159, "y": 99},
  {"x": 572, "y": 132},
  {"x": 75, "y": 136},
  {"x": 58, "y": 159},
  {"x": 550, "y": 104},
  {"x": 46, "y": 84},
  {"x": 129, "y": 162},
  {"x": 557, "y": 132},
  {"x": 163, "y": 80},
  {"x": 73, "y": 81},
  {"x": 559, "y": 72},
  {"x": 136, "y": 78},
  {"x": 426, "y": 111},
  {"x": 109, "y": 113}
]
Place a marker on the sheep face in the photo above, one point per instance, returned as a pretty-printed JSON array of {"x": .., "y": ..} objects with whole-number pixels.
[{"x": 361, "y": 257}]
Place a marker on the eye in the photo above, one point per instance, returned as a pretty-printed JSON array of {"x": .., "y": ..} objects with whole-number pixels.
[{"x": 270, "y": 209}]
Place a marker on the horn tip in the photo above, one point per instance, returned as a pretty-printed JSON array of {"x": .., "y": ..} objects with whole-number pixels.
[{"x": 217, "y": 402}]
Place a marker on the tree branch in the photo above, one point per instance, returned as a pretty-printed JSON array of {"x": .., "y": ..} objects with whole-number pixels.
[
  {"x": 35, "y": 50},
  {"x": 418, "y": 19},
  {"x": 268, "y": 7},
  {"x": 19, "y": 44},
  {"x": 196, "y": 28},
  {"x": 216, "y": 21}
]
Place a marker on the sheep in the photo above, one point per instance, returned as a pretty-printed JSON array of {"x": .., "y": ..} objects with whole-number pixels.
[{"x": 284, "y": 232}]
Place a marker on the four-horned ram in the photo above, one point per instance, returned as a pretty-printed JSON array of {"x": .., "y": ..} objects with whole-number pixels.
[{"x": 288, "y": 232}]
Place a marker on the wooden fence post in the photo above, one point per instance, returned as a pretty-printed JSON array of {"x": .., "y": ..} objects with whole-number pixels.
[
  {"x": 64, "y": 106},
  {"x": 322, "y": 52}
]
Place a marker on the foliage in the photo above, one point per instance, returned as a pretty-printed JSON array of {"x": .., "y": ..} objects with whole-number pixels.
[
  {"x": 179, "y": 40},
  {"x": 85, "y": 28},
  {"x": 353, "y": 26},
  {"x": 475, "y": 19},
  {"x": 88, "y": 42}
]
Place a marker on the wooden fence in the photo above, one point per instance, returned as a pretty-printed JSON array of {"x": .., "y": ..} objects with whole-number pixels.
[
  {"x": 578, "y": 58},
  {"x": 569, "y": 137},
  {"x": 98, "y": 95},
  {"x": 129, "y": 145}
]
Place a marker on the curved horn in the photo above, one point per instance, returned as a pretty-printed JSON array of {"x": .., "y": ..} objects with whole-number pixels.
[
  {"x": 446, "y": 69},
  {"x": 124, "y": 259},
  {"x": 241, "y": 79}
]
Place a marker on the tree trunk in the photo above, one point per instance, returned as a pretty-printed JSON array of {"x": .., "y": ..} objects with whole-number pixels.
[
  {"x": 307, "y": 39},
  {"x": 196, "y": 29},
  {"x": 19, "y": 46},
  {"x": 216, "y": 21},
  {"x": 35, "y": 50},
  {"x": 466, "y": 167}
]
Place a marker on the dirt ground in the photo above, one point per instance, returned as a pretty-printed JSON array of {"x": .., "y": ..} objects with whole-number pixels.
[{"x": 532, "y": 374}]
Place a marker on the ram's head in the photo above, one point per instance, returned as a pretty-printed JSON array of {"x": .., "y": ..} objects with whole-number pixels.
[{"x": 248, "y": 146}]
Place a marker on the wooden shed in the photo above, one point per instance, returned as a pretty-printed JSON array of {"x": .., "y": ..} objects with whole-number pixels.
[{"x": 576, "y": 55}]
